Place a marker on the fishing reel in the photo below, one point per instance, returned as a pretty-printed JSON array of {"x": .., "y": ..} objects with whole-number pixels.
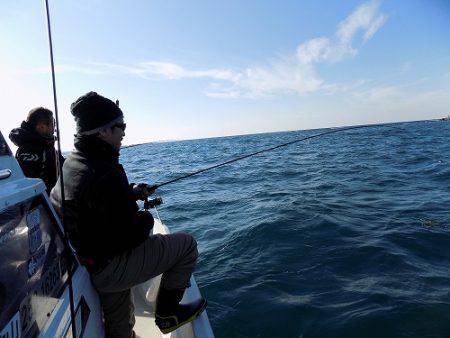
[{"x": 152, "y": 203}]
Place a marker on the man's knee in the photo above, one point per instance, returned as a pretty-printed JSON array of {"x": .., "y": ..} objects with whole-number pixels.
[
  {"x": 194, "y": 248},
  {"x": 190, "y": 245}
]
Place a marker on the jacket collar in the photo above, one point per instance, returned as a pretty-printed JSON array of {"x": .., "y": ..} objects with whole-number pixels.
[
  {"x": 94, "y": 147},
  {"x": 25, "y": 134}
]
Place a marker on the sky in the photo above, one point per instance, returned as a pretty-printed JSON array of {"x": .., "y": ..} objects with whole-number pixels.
[{"x": 196, "y": 69}]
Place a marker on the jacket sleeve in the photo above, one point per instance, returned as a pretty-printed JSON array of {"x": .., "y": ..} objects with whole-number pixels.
[{"x": 30, "y": 161}]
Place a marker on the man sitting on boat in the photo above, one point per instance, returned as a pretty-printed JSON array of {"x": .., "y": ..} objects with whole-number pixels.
[
  {"x": 36, "y": 153},
  {"x": 110, "y": 235}
]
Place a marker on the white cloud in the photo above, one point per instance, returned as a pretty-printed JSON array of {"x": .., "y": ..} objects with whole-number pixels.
[
  {"x": 295, "y": 73},
  {"x": 375, "y": 26},
  {"x": 366, "y": 91},
  {"x": 406, "y": 67},
  {"x": 174, "y": 72},
  {"x": 65, "y": 69},
  {"x": 366, "y": 17},
  {"x": 378, "y": 93},
  {"x": 283, "y": 75},
  {"x": 314, "y": 50},
  {"x": 148, "y": 70},
  {"x": 415, "y": 104},
  {"x": 331, "y": 89}
]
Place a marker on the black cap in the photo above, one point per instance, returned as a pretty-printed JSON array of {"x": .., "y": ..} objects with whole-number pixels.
[{"x": 94, "y": 112}]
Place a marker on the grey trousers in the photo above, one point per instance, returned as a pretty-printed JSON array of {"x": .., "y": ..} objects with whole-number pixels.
[{"x": 172, "y": 255}]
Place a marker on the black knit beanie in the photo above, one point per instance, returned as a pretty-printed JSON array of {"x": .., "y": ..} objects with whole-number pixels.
[{"x": 94, "y": 112}]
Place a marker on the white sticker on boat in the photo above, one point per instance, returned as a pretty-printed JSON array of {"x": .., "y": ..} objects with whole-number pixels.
[
  {"x": 13, "y": 329},
  {"x": 34, "y": 239},
  {"x": 36, "y": 261},
  {"x": 50, "y": 280},
  {"x": 33, "y": 218}
]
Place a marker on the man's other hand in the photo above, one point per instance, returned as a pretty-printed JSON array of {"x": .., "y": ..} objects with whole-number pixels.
[{"x": 141, "y": 191}]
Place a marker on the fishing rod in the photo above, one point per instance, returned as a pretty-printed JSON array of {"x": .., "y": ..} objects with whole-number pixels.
[
  {"x": 60, "y": 164},
  {"x": 154, "y": 187}
]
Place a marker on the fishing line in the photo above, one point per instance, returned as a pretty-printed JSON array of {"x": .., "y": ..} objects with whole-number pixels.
[
  {"x": 267, "y": 150},
  {"x": 60, "y": 164}
]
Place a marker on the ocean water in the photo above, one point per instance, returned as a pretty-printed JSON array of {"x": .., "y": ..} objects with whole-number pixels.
[{"x": 341, "y": 236}]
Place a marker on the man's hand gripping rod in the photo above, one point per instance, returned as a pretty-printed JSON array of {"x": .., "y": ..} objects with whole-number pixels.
[{"x": 154, "y": 202}]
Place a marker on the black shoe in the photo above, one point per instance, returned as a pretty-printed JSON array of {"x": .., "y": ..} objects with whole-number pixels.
[{"x": 170, "y": 315}]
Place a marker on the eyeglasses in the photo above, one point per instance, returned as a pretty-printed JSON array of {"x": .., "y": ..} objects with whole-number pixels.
[{"x": 120, "y": 125}]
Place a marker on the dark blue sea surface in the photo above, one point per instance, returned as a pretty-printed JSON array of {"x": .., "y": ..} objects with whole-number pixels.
[{"x": 347, "y": 235}]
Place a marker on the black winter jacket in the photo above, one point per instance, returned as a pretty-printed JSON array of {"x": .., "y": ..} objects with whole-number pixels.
[
  {"x": 101, "y": 214},
  {"x": 36, "y": 154}
]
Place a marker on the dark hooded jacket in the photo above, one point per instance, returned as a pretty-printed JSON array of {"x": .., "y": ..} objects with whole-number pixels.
[
  {"x": 36, "y": 154},
  {"x": 101, "y": 214}
]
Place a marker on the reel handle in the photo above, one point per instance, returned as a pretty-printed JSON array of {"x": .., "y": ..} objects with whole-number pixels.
[{"x": 151, "y": 203}]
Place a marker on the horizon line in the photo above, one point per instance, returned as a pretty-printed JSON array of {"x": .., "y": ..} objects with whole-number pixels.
[{"x": 271, "y": 132}]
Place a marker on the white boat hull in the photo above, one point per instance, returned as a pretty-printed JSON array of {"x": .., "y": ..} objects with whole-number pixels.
[{"x": 31, "y": 243}]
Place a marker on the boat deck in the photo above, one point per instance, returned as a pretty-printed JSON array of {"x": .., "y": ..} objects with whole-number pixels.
[{"x": 144, "y": 300}]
